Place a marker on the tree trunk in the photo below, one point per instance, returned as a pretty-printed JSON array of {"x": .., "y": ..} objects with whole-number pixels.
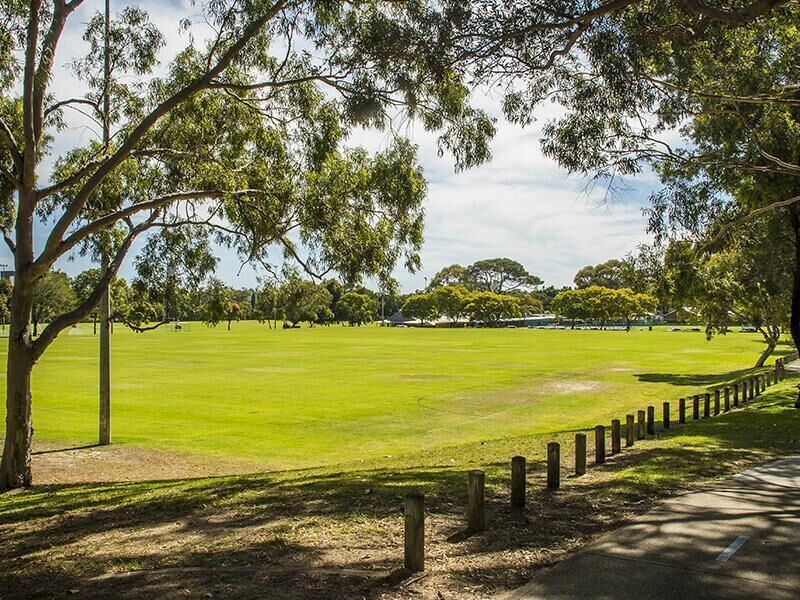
[
  {"x": 15, "y": 468},
  {"x": 772, "y": 342},
  {"x": 794, "y": 321}
]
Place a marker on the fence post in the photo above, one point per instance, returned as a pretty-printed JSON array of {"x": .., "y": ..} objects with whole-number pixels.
[
  {"x": 580, "y": 454},
  {"x": 476, "y": 506},
  {"x": 518, "y": 481},
  {"x": 640, "y": 425},
  {"x": 744, "y": 391},
  {"x": 414, "y": 559},
  {"x": 769, "y": 378},
  {"x": 553, "y": 466},
  {"x": 735, "y": 395},
  {"x": 616, "y": 437},
  {"x": 651, "y": 420},
  {"x": 599, "y": 444},
  {"x": 696, "y": 407},
  {"x": 727, "y": 399},
  {"x": 666, "y": 415},
  {"x": 752, "y": 392},
  {"x": 716, "y": 401},
  {"x": 682, "y": 410},
  {"x": 707, "y": 406},
  {"x": 630, "y": 431}
]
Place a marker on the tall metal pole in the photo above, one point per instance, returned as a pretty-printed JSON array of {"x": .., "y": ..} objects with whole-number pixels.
[{"x": 105, "y": 300}]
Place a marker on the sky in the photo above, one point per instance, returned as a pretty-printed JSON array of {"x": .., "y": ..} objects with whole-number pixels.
[{"x": 520, "y": 205}]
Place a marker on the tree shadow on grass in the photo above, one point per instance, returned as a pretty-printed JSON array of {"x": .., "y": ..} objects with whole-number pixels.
[
  {"x": 706, "y": 380},
  {"x": 337, "y": 533}
]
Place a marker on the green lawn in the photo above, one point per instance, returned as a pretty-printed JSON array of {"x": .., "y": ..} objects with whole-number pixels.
[{"x": 319, "y": 396}]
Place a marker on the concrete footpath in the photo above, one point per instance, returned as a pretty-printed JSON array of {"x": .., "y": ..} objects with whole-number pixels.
[{"x": 739, "y": 539}]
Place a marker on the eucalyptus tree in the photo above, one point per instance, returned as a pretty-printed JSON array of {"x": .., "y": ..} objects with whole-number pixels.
[
  {"x": 242, "y": 135},
  {"x": 747, "y": 280},
  {"x": 703, "y": 92}
]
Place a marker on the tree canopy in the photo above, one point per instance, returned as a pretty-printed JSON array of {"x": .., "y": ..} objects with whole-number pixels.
[{"x": 498, "y": 275}]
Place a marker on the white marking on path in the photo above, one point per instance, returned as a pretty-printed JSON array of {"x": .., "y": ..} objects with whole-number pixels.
[{"x": 731, "y": 550}]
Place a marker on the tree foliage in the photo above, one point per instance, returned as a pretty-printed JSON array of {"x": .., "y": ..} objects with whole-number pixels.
[
  {"x": 603, "y": 305},
  {"x": 357, "y": 309},
  {"x": 498, "y": 275}
]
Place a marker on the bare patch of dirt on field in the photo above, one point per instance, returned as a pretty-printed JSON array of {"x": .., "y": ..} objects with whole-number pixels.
[
  {"x": 572, "y": 387},
  {"x": 273, "y": 369},
  {"x": 66, "y": 464}
]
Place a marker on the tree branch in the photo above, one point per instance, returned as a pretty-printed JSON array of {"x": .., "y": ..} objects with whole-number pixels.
[
  {"x": 751, "y": 215},
  {"x": 62, "y": 103},
  {"x": 71, "y": 179},
  {"x": 67, "y": 319},
  {"x": 81, "y": 234},
  {"x": 11, "y": 143},
  {"x": 9, "y": 240},
  {"x": 739, "y": 16},
  {"x": 50, "y": 252}
]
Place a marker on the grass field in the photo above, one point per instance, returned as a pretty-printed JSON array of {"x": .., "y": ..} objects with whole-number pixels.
[
  {"x": 388, "y": 411},
  {"x": 306, "y": 397}
]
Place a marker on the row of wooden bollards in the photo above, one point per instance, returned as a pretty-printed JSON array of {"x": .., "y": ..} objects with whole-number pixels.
[{"x": 637, "y": 427}]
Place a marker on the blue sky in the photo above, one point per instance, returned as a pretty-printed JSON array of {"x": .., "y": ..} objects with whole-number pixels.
[{"x": 520, "y": 205}]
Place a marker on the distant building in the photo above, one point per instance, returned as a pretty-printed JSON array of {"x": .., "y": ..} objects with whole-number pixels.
[{"x": 7, "y": 275}]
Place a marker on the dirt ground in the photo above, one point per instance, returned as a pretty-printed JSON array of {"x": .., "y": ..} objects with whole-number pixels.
[{"x": 71, "y": 463}]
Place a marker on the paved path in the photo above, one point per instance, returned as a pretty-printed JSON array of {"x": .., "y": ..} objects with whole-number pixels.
[{"x": 737, "y": 540}]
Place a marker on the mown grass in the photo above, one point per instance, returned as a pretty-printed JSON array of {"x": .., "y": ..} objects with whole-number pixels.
[
  {"x": 277, "y": 528},
  {"x": 309, "y": 397}
]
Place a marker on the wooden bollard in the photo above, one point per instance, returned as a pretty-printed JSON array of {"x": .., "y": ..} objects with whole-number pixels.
[
  {"x": 716, "y": 402},
  {"x": 415, "y": 532},
  {"x": 682, "y": 410},
  {"x": 616, "y": 437},
  {"x": 696, "y": 407},
  {"x": 651, "y": 420},
  {"x": 640, "y": 425},
  {"x": 630, "y": 431},
  {"x": 580, "y": 454},
  {"x": 518, "y": 481},
  {"x": 599, "y": 445},
  {"x": 727, "y": 399},
  {"x": 476, "y": 505},
  {"x": 665, "y": 407},
  {"x": 553, "y": 466}
]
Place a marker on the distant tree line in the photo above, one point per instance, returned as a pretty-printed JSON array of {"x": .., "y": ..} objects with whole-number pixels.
[{"x": 142, "y": 305}]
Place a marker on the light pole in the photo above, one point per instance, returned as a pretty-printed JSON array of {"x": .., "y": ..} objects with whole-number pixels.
[{"x": 105, "y": 299}]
